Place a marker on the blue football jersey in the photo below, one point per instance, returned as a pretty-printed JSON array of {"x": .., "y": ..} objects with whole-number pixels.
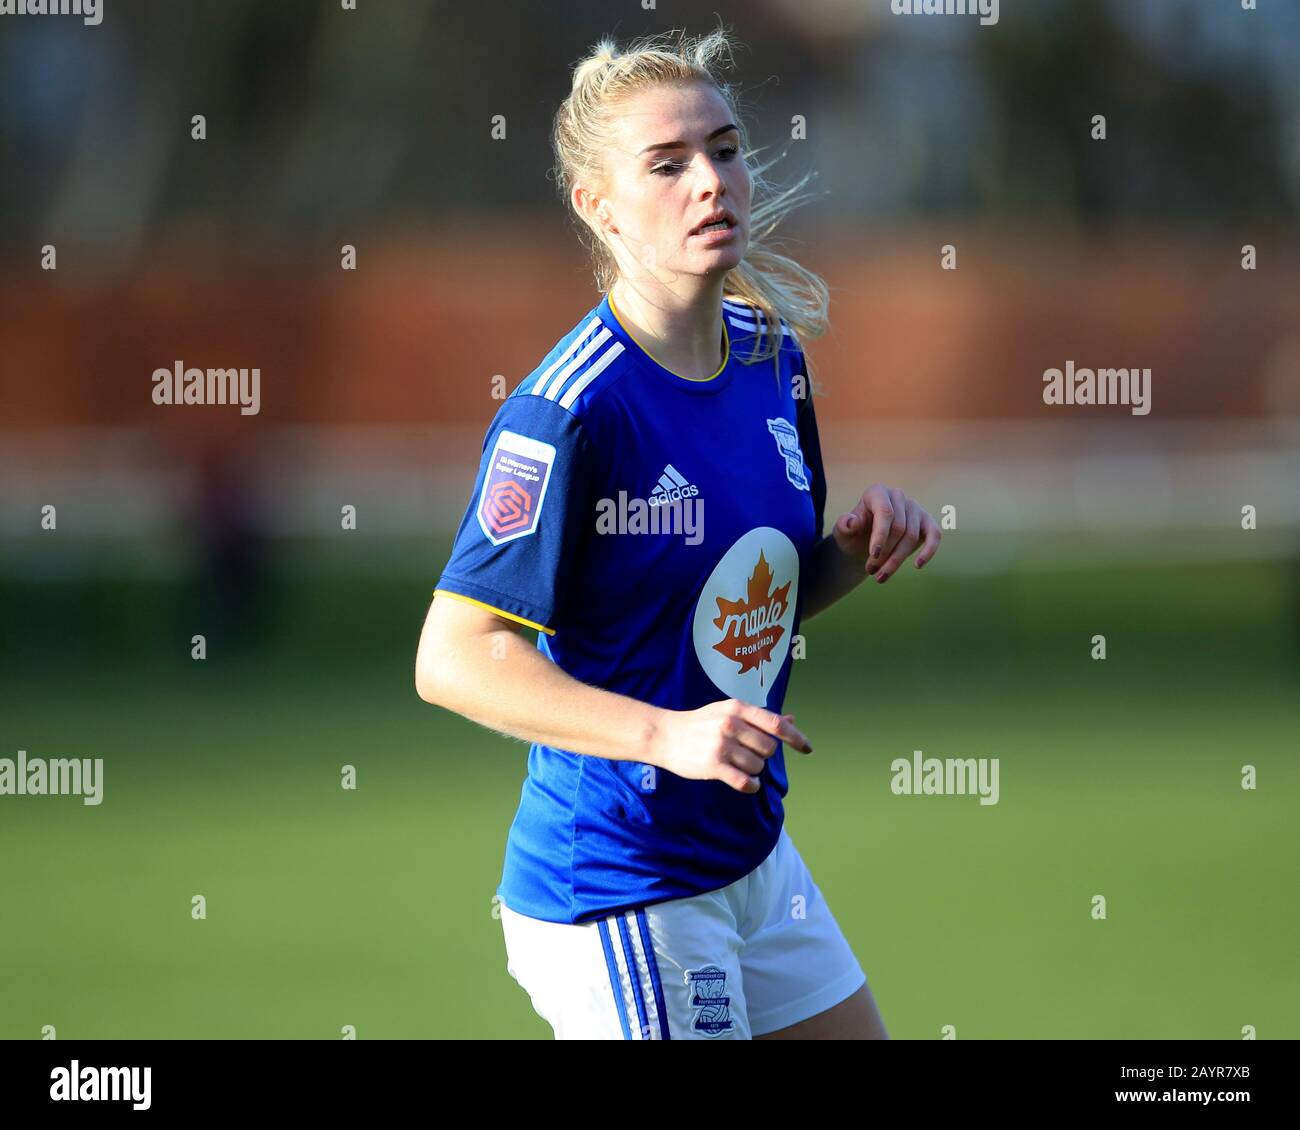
[{"x": 654, "y": 529}]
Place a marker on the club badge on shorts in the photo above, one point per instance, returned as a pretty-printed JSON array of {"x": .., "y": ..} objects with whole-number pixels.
[
  {"x": 787, "y": 443},
  {"x": 515, "y": 487},
  {"x": 708, "y": 987}
]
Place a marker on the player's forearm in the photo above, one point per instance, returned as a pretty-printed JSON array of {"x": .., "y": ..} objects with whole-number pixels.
[
  {"x": 832, "y": 574},
  {"x": 501, "y": 681}
]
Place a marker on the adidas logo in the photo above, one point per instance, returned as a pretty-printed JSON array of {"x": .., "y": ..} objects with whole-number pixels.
[
  {"x": 671, "y": 488},
  {"x": 674, "y": 507}
]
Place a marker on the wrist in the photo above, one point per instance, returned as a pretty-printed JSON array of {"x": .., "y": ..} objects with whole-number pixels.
[
  {"x": 652, "y": 740},
  {"x": 846, "y": 561}
]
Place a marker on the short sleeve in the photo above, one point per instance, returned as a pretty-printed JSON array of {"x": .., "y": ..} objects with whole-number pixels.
[
  {"x": 810, "y": 445},
  {"x": 528, "y": 516}
]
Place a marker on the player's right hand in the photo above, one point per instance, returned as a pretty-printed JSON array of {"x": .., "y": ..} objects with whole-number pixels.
[{"x": 728, "y": 741}]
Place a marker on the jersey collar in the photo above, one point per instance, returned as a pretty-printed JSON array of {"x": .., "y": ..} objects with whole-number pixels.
[{"x": 699, "y": 386}]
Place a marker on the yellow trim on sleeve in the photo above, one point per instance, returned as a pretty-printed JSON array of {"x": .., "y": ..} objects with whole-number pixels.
[{"x": 498, "y": 611}]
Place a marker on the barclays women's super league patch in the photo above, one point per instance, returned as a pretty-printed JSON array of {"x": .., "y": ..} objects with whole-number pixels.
[{"x": 515, "y": 487}]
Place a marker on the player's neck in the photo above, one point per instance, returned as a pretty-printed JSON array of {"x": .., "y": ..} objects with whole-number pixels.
[{"x": 684, "y": 336}]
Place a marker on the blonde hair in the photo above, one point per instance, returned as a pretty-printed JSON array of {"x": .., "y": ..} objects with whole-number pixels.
[{"x": 581, "y": 134}]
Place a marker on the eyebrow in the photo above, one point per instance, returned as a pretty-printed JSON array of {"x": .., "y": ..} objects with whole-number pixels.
[{"x": 681, "y": 144}]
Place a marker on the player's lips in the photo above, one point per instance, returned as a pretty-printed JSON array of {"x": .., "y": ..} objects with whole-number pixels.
[
  {"x": 724, "y": 230},
  {"x": 719, "y": 216}
]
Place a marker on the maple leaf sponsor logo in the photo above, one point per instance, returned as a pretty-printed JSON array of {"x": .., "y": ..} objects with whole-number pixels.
[
  {"x": 744, "y": 615},
  {"x": 751, "y": 626}
]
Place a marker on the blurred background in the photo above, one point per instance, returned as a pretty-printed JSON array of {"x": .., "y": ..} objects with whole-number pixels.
[{"x": 373, "y": 128}]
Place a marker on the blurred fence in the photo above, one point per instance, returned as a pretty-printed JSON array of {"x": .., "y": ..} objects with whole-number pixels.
[{"x": 377, "y": 387}]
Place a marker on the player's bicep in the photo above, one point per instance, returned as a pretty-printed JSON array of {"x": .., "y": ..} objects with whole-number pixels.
[
  {"x": 450, "y": 627},
  {"x": 451, "y": 618}
]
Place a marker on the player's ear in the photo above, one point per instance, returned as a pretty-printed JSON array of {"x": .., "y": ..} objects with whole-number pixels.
[
  {"x": 585, "y": 203},
  {"x": 594, "y": 209}
]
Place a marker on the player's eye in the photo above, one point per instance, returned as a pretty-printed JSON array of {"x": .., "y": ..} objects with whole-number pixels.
[{"x": 727, "y": 153}]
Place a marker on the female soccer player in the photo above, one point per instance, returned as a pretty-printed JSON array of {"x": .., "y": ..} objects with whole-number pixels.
[{"x": 650, "y": 500}]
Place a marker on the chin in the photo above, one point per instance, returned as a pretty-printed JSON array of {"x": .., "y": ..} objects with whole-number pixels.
[{"x": 725, "y": 257}]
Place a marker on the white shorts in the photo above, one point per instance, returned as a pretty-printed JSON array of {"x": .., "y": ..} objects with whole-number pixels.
[{"x": 758, "y": 955}]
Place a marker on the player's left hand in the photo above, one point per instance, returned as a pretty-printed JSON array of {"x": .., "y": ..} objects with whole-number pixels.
[{"x": 884, "y": 529}]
